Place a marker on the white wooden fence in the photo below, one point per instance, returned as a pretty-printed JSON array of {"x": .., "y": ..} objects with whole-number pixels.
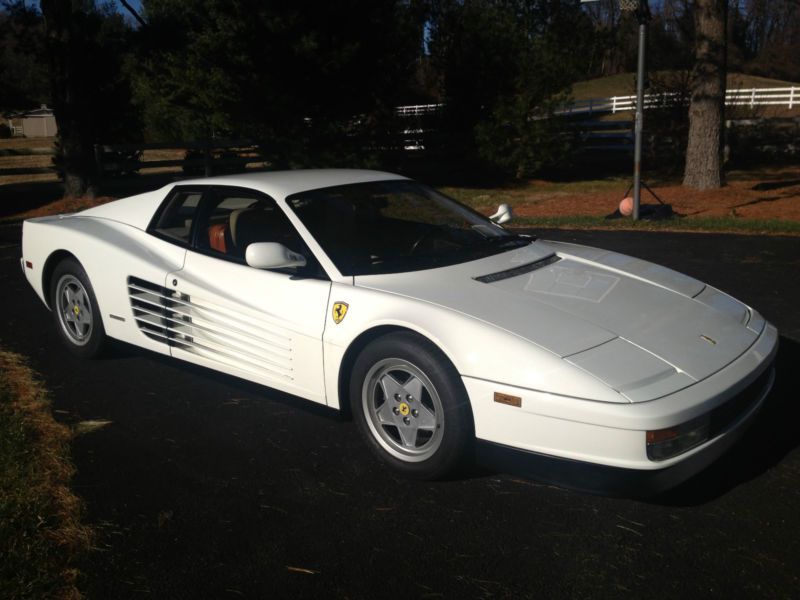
[
  {"x": 783, "y": 96},
  {"x": 417, "y": 110},
  {"x": 764, "y": 97},
  {"x": 779, "y": 96}
]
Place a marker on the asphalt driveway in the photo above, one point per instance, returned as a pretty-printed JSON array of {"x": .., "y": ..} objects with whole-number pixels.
[{"x": 201, "y": 486}]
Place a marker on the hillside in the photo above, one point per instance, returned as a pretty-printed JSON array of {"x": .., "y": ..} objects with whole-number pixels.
[{"x": 623, "y": 84}]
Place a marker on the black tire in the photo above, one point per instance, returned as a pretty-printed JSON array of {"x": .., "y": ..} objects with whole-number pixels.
[
  {"x": 424, "y": 437},
  {"x": 75, "y": 311}
]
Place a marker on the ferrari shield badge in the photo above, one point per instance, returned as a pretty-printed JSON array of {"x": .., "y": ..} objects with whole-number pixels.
[{"x": 339, "y": 311}]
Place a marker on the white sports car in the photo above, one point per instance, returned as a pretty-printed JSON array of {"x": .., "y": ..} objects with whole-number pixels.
[{"x": 433, "y": 324}]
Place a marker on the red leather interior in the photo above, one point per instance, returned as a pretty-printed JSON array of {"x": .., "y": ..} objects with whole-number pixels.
[{"x": 216, "y": 237}]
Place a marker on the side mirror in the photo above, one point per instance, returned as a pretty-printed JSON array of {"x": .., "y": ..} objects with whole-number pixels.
[
  {"x": 503, "y": 215},
  {"x": 271, "y": 255}
]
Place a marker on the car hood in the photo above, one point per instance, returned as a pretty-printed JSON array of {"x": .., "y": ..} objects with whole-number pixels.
[{"x": 642, "y": 329}]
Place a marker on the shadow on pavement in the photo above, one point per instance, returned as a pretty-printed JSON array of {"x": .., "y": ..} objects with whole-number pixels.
[
  {"x": 771, "y": 437},
  {"x": 122, "y": 350}
]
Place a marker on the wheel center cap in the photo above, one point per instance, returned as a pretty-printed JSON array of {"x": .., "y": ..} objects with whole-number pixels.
[
  {"x": 404, "y": 409},
  {"x": 77, "y": 310}
]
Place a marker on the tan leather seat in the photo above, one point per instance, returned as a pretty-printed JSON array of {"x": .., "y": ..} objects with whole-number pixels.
[{"x": 216, "y": 237}]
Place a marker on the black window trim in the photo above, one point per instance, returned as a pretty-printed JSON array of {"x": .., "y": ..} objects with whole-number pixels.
[
  {"x": 151, "y": 227},
  {"x": 210, "y": 192}
]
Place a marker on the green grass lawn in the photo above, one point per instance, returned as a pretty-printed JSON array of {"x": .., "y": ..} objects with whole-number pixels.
[{"x": 41, "y": 537}]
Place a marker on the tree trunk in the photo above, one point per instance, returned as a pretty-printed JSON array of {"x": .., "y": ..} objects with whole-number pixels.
[
  {"x": 707, "y": 108},
  {"x": 75, "y": 144}
]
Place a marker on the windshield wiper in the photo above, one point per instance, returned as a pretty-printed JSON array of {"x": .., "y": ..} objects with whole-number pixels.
[{"x": 502, "y": 240}]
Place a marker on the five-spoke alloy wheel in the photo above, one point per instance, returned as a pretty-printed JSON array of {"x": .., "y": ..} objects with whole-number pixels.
[
  {"x": 75, "y": 310},
  {"x": 403, "y": 409},
  {"x": 411, "y": 405}
]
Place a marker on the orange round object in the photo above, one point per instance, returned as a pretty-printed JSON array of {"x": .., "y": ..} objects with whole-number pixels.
[{"x": 626, "y": 206}]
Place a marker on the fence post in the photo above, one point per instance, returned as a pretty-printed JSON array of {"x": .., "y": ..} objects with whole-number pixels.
[
  {"x": 613, "y": 105},
  {"x": 791, "y": 97},
  {"x": 752, "y": 97}
]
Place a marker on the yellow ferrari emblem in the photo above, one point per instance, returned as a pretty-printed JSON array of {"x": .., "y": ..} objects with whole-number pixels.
[
  {"x": 339, "y": 311},
  {"x": 404, "y": 409},
  {"x": 76, "y": 309}
]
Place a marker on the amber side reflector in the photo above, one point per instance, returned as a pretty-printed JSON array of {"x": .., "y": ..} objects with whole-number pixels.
[
  {"x": 506, "y": 399},
  {"x": 29, "y": 264},
  {"x": 661, "y": 435}
]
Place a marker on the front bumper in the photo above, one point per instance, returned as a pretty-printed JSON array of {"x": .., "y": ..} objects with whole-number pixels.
[
  {"x": 614, "y": 481},
  {"x": 563, "y": 436}
]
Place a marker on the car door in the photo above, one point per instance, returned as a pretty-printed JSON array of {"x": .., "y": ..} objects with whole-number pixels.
[{"x": 263, "y": 325}]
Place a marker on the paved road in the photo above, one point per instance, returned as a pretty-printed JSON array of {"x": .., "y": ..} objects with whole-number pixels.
[{"x": 205, "y": 487}]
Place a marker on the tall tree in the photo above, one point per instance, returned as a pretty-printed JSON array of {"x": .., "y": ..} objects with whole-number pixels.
[
  {"x": 520, "y": 134},
  {"x": 473, "y": 47},
  {"x": 302, "y": 76},
  {"x": 23, "y": 62},
  {"x": 74, "y": 146},
  {"x": 505, "y": 66},
  {"x": 86, "y": 47},
  {"x": 704, "y": 165},
  {"x": 771, "y": 37}
]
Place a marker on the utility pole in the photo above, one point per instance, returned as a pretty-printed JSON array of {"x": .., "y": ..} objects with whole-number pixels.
[
  {"x": 642, "y": 11},
  {"x": 643, "y": 16}
]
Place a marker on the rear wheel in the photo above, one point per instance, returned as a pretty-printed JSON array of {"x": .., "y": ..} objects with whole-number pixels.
[
  {"x": 75, "y": 311},
  {"x": 411, "y": 406}
]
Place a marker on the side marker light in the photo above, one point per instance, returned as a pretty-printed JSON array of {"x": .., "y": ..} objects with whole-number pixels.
[{"x": 506, "y": 399}]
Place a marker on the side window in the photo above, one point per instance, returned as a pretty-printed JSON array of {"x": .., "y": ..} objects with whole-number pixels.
[
  {"x": 236, "y": 219},
  {"x": 176, "y": 218}
]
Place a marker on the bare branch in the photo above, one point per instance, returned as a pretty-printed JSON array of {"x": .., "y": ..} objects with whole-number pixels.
[{"x": 133, "y": 12}]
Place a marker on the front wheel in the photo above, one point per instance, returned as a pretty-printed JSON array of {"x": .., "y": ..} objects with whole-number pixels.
[
  {"x": 75, "y": 311},
  {"x": 411, "y": 406}
]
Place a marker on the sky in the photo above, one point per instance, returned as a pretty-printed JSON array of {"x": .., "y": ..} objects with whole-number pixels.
[{"x": 136, "y": 4}]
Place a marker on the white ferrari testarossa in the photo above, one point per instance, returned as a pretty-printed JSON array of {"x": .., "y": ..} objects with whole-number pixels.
[{"x": 432, "y": 323}]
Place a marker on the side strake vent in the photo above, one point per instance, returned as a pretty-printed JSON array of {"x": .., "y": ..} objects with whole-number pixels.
[
  {"x": 210, "y": 331},
  {"x": 500, "y": 275}
]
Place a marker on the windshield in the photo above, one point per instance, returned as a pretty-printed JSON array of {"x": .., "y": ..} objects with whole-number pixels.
[{"x": 397, "y": 226}]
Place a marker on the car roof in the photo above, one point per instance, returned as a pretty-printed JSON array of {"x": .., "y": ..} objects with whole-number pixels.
[
  {"x": 280, "y": 184},
  {"x": 138, "y": 210}
]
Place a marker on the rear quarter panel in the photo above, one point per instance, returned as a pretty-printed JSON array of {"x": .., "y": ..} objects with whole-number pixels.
[{"x": 109, "y": 252}]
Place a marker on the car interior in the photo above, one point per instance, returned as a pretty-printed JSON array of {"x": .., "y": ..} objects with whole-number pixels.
[{"x": 227, "y": 223}]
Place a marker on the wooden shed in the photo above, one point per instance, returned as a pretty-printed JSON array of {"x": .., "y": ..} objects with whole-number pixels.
[{"x": 39, "y": 122}]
